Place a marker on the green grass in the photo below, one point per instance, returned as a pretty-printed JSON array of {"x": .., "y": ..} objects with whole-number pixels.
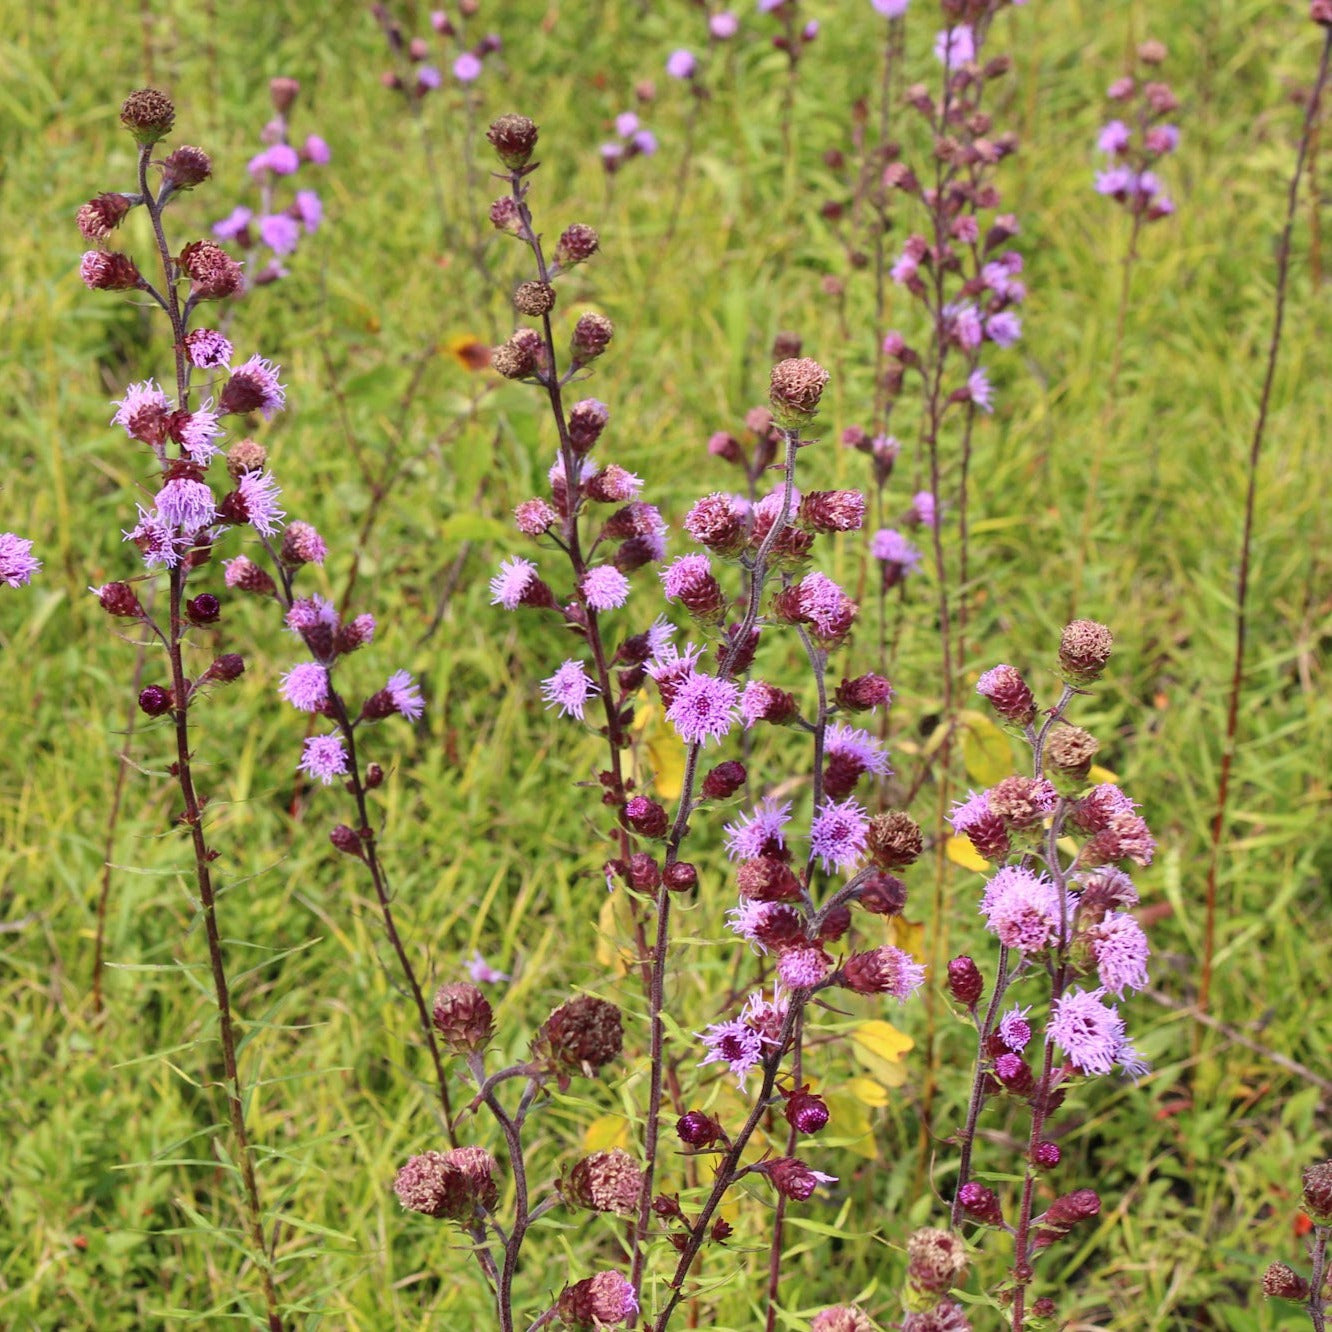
[{"x": 119, "y": 1214}]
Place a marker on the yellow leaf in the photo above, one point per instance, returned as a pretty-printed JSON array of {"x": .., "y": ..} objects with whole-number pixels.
[
  {"x": 879, "y": 1047},
  {"x": 849, "y": 1121},
  {"x": 908, "y": 935},
  {"x": 613, "y": 924},
  {"x": 1100, "y": 774},
  {"x": 960, "y": 851},
  {"x": 987, "y": 753},
  {"x": 605, "y": 1132},
  {"x": 656, "y": 755},
  {"x": 868, "y": 1092}
]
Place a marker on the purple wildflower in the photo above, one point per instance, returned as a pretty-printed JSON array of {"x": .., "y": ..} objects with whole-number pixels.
[
  {"x": 645, "y": 142},
  {"x": 262, "y": 377},
  {"x": 207, "y": 348},
  {"x": 156, "y": 541},
  {"x": 1089, "y": 1032},
  {"x": 141, "y": 404},
  {"x": 605, "y": 588},
  {"x": 626, "y": 124},
  {"x": 748, "y": 917},
  {"x": 681, "y": 64},
  {"x": 858, "y": 747},
  {"x": 953, "y": 47},
  {"x": 306, "y": 686},
  {"x": 1113, "y": 138},
  {"x": 17, "y": 565},
  {"x": 569, "y": 689},
  {"x": 233, "y": 224},
  {"x": 1015, "y": 1030},
  {"x": 966, "y": 813},
  {"x": 803, "y": 968},
  {"x": 891, "y": 547},
  {"x": 467, "y": 68},
  {"x": 533, "y": 517},
  {"x": 923, "y": 506},
  {"x": 198, "y": 432},
  {"x": 979, "y": 390},
  {"x": 186, "y": 504},
  {"x": 723, "y": 26},
  {"x": 1121, "y": 951},
  {"x": 483, "y": 973},
  {"x": 890, "y": 9},
  {"x": 964, "y": 322},
  {"x": 1117, "y": 182},
  {"x": 659, "y": 635},
  {"x": 837, "y": 834},
  {"x": 280, "y": 232},
  {"x": 324, "y": 757},
  {"x": 317, "y": 151},
  {"x": 760, "y": 833},
  {"x": 308, "y": 613},
  {"x": 405, "y": 695},
  {"x": 311, "y": 209},
  {"x": 283, "y": 159},
  {"x": 828, "y": 609},
  {"x": 1003, "y": 328},
  {"x": 259, "y": 491},
  {"x": 1022, "y": 909},
  {"x": 683, "y": 574},
  {"x": 1161, "y": 139},
  {"x": 704, "y": 708},
  {"x": 508, "y": 586},
  {"x": 734, "y": 1043}
]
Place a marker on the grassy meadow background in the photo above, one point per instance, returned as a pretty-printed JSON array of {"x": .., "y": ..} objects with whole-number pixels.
[{"x": 111, "y": 1194}]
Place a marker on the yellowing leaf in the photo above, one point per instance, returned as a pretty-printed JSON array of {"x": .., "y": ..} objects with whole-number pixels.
[
  {"x": 1100, "y": 774},
  {"x": 960, "y": 851},
  {"x": 879, "y": 1047},
  {"x": 908, "y": 935},
  {"x": 605, "y": 1132},
  {"x": 987, "y": 753},
  {"x": 849, "y": 1120},
  {"x": 656, "y": 756},
  {"x": 613, "y": 924},
  {"x": 868, "y": 1092}
]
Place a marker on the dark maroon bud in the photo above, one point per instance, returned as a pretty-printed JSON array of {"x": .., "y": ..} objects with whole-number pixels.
[
  {"x": 513, "y": 138},
  {"x": 346, "y": 840},
  {"x": 805, "y": 1112},
  {"x": 1063, "y": 1214},
  {"x": 863, "y": 693},
  {"x": 577, "y": 244},
  {"x": 725, "y": 445},
  {"x": 884, "y": 894},
  {"x": 120, "y": 599},
  {"x": 792, "y": 1178},
  {"x": 724, "y": 780},
  {"x": 780, "y": 926},
  {"x": 722, "y": 1230},
  {"x": 1279, "y": 1281},
  {"x": 1317, "y": 1193},
  {"x": 668, "y": 1208},
  {"x": 228, "y": 667},
  {"x": 1045, "y": 1155},
  {"x": 186, "y": 167},
  {"x": 646, "y": 817},
  {"x": 155, "y": 700},
  {"x": 835, "y": 924},
  {"x": 743, "y": 657},
  {"x": 587, "y": 420},
  {"x": 374, "y": 776},
  {"x": 980, "y": 1204},
  {"x": 1014, "y": 1073},
  {"x": 109, "y": 270},
  {"x": 680, "y": 876},
  {"x": 644, "y": 872},
  {"x": 697, "y": 1129},
  {"x": 965, "y": 982},
  {"x": 203, "y": 609},
  {"x": 767, "y": 879}
]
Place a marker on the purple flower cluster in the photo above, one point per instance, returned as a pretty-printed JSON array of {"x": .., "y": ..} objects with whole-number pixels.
[
  {"x": 1138, "y": 138},
  {"x": 419, "y": 71},
  {"x": 273, "y": 229},
  {"x": 632, "y": 140}
]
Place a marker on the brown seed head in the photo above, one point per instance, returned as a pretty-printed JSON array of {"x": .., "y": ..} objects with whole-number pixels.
[
  {"x": 186, "y": 167},
  {"x": 534, "y": 298},
  {"x": 581, "y": 1036},
  {"x": 463, "y": 1017},
  {"x": 99, "y": 217},
  {"x": 936, "y": 1261},
  {"x": 1284, "y": 1283},
  {"x": 894, "y": 840},
  {"x": 430, "y": 1185},
  {"x": 213, "y": 273},
  {"x": 148, "y": 115},
  {"x": 283, "y": 92},
  {"x": 794, "y": 389},
  {"x": 577, "y": 244},
  {"x": 478, "y": 1168},
  {"x": 108, "y": 270},
  {"x": 513, "y": 137},
  {"x": 1084, "y": 649},
  {"x": 604, "y": 1182},
  {"x": 1069, "y": 750}
]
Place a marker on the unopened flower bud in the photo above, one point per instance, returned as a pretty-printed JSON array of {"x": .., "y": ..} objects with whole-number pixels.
[
  {"x": 155, "y": 700},
  {"x": 806, "y": 1112},
  {"x": 186, "y": 167},
  {"x": 724, "y": 780},
  {"x": 582, "y": 1035},
  {"x": 283, "y": 92},
  {"x": 723, "y": 444},
  {"x": 680, "y": 876},
  {"x": 965, "y": 982},
  {"x": 1317, "y": 1195},
  {"x": 109, "y": 270},
  {"x": 980, "y": 1203},
  {"x": 863, "y": 693},
  {"x": 1008, "y": 694},
  {"x": 302, "y": 544},
  {"x": 505, "y": 215},
  {"x": 794, "y": 1179},
  {"x": 463, "y": 1017},
  {"x": 604, "y": 1182},
  {"x": 347, "y": 841},
  {"x": 148, "y": 115},
  {"x": 1152, "y": 52},
  {"x": 374, "y": 776},
  {"x": 120, "y": 599},
  {"x": 513, "y": 137},
  {"x": 893, "y": 840},
  {"x": 1063, "y": 1214},
  {"x": 203, "y": 609},
  {"x": 1014, "y": 1074},
  {"x": 591, "y": 336},
  {"x": 1279, "y": 1281},
  {"x": 1320, "y": 11},
  {"x": 587, "y": 420},
  {"x": 576, "y": 245},
  {"x": 534, "y": 298},
  {"x": 644, "y": 873},
  {"x": 1046, "y": 1155},
  {"x": 646, "y": 817},
  {"x": 697, "y": 1129},
  {"x": 883, "y": 894},
  {"x": 794, "y": 389},
  {"x": 246, "y": 576},
  {"x": 766, "y": 879},
  {"x": 1084, "y": 649}
]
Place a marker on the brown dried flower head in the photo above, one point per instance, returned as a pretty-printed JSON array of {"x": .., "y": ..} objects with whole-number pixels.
[
  {"x": 794, "y": 389},
  {"x": 534, "y": 298},
  {"x": 148, "y": 114},
  {"x": 1084, "y": 649},
  {"x": 99, "y": 217},
  {"x": 604, "y": 1182},
  {"x": 894, "y": 840},
  {"x": 580, "y": 1037},
  {"x": 463, "y": 1017},
  {"x": 513, "y": 137}
]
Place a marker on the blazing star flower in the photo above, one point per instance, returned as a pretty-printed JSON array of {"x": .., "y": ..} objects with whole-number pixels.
[
  {"x": 1022, "y": 909},
  {"x": 857, "y": 747},
  {"x": 645, "y": 142},
  {"x": 1162, "y": 139},
  {"x": 890, "y": 9},
  {"x": 513, "y": 580},
  {"x": 467, "y": 68},
  {"x": 734, "y": 1043},
  {"x": 617, "y": 484},
  {"x": 681, "y": 64},
  {"x": 17, "y": 565},
  {"x": 922, "y": 503},
  {"x": 684, "y": 574},
  {"x": 306, "y": 686},
  {"x": 979, "y": 390},
  {"x": 198, "y": 433},
  {"x": 483, "y": 973},
  {"x": 1003, "y": 328},
  {"x": 406, "y": 696},
  {"x": 626, "y": 124},
  {"x": 828, "y": 609},
  {"x": 1015, "y": 1030},
  {"x": 261, "y": 376},
  {"x": 704, "y": 708},
  {"x": 605, "y": 588},
  {"x": 890, "y": 547},
  {"x": 967, "y": 813},
  {"x": 533, "y": 517},
  {"x": 964, "y": 322},
  {"x": 904, "y": 268},
  {"x": 311, "y": 209},
  {"x": 317, "y": 151},
  {"x": 185, "y": 504},
  {"x": 723, "y": 26},
  {"x": 747, "y": 918},
  {"x": 1114, "y": 139},
  {"x": 659, "y": 635},
  {"x": 1116, "y": 182},
  {"x": 324, "y": 757},
  {"x": 803, "y": 968},
  {"x": 233, "y": 224},
  {"x": 754, "y": 836},
  {"x": 837, "y": 834},
  {"x": 156, "y": 540},
  {"x": 207, "y": 348},
  {"x": 953, "y": 47},
  {"x": 569, "y": 689},
  {"x": 1121, "y": 951},
  {"x": 280, "y": 232},
  {"x": 259, "y": 491},
  {"x": 283, "y": 159},
  {"x": 307, "y": 613},
  {"x": 142, "y": 406},
  {"x": 1089, "y": 1032}
]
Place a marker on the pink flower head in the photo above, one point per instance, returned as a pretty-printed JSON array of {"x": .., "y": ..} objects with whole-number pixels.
[
  {"x": 828, "y": 609},
  {"x": 324, "y": 757},
  {"x": 280, "y": 232},
  {"x": 644, "y": 142},
  {"x": 1121, "y": 951},
  {"x": 684, "y": 575},
  {"x": 614, "y": 484},
  {"x": 803, "y": 968},
  {"x": 922, "y": 504},
  {"x": 704, "y": 708},
  {"x": 964, "y": 323},
  {"x": 260, "y": 495},
  {"x": 156, "y": 540},
  {"x": 405, "y": 696},
  {"x": 256, "y": 381},
  {"x": 569, "y": 689},
  {"x": 953, "y": 47},
  {"x": 723, "y": 26},
  {"x": 857, "y": 748},
  {"x": 306, "y": 686},
  {"x": 1022, "y": 909},
  {"x": 310, "y": 207},
  {"x": 17, "y": 565},
  {"x": 1117, "y": 183},
  {"x": 890, "y": 547},
  {"x": 533, "y": 517},
  {"x": 890, "y": 9},
  {"x": 967, "y": 813},
  {"x": 735, "y": 1044},
  {"x": 669, "y": 667},
  {"x": 185, "y": 504},
  {"x": 837, "y": 834},
  {"x": 514, "y": 579},
  {"x": 1003, "y": 328},
  {"x": 1015, "y": 1030},
  {"x": 308, "y": 613},
  {"x": 761, "y": 833},
  {"x": 207, "y": 348},
  {"x": 626, "y": 124},
  {"x": 681, "y": 64},
  {"x": 467, "y": 68},
  {"x": 1162, "y": 139},
  {"x": 197, "y": 433},
  {"x": 483, "y": 973},
  {"x": 979, "y": 390},
  {"x": 143, "y": 411},
  {"x": 1114, "y": 138},
  {"x": 1088, "y": 1031},
  {"x": 317, "y": 151},
  {"x": 233, "y": 224},
  {"x": 605, "y": 588}
]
